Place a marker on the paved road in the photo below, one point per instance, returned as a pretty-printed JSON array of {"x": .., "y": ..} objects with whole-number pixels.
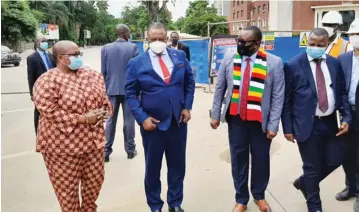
[{"x": 208, "y": 186}]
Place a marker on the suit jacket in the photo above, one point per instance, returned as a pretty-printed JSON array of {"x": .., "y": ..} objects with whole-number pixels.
[
  {"x": 183, "y": 47},
  {"x": 114, "y": 60},
  {"x": 346, "y": 60},
  {"x": 301, "y": 99},
  {"x": 36, "y": 67},
  {"x": 157, "y": 99},
  {"x": 272, "y": 99}
]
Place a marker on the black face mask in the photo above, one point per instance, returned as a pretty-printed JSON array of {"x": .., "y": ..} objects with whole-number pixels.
[
  {"x": 244, "y": 50},
  {"x": 174, "y": 42}
]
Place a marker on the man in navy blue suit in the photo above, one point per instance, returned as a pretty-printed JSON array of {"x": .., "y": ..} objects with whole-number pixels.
[
  {"x": 314, "y": 91},
  {"x": 163, "y": 79},
  {"x": 350, "y": 64}
]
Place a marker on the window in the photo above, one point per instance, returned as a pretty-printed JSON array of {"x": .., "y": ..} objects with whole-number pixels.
[
  {"x": 233, "y": 27},
  {"x": 254, "y": 23},
  {"x": 241, "y": 26},
  {"x": 264, "y": 8},
  {"x": 234, "y": 16},
  {"x": 264, "y": 24},
  {"x": 242, "y": 2},
  {"x": 259, "y": 10},
  {"x": 237, "y": 14},
  {"x": 241, "y": 13},
  {"x": 259, "y": 23},
  {"x": 254, "y": 10},
  {"x": 234, "y": 3},
  {"x": 237, "y": 2}
]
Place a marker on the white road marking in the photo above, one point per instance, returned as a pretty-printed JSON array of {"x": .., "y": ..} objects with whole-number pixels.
[
  {"x": 17, "y": 110},
  {"x": 15, "y": 155}
]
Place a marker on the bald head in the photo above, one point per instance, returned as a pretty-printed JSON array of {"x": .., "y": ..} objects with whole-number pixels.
[
  {"x": 63, "y": 49},
  {"x": 123, "y": 31}
]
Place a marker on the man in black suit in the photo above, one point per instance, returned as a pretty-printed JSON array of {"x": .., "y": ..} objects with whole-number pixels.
[
  {"x": 178, "y": 45},
  {"x": 38, "y": 63}
]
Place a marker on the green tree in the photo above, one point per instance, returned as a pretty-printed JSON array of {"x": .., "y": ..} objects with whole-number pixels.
[
  {"x": 198, "y": 14},
  {"x": 137, "y": 19},
  {"x": 19, "y": 22},
  {"x": 178, "y": 24},
  {"x": 54, "y": 12}
]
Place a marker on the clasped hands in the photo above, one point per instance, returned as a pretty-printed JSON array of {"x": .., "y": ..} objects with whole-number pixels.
[
  {"x": 94, "y": 117},
  {"x": 150, "y": 123}
]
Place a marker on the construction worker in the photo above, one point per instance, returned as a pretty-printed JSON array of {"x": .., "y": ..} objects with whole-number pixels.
[
  {"x": 350, "y": 64},
  {"x": 331, "y": 22}
]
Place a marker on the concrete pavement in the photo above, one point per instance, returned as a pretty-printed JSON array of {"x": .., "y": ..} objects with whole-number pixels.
[{"x": 208, "y": 185}]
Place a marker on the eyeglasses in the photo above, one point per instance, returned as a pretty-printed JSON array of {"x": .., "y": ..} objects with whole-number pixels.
[{"x": 76, "y": 54}]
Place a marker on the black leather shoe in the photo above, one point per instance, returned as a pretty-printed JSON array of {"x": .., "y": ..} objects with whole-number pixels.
[
  {"x": 297, "y": 185},
  {"x": 156, "y": 211},
  {"x": 131, "y": 155},
  {"x": 176, "y": 209},
  {"x": 107, "y": 159},
  {"x": 345, "y": 195}
]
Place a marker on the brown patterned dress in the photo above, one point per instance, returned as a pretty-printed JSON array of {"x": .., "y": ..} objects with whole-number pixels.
[{"x": 73, "y": 152}]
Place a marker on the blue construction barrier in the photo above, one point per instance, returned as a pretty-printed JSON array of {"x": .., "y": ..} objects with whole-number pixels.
[
  {"x": 284, "y": 47},
  {"x": 199, "y": 58}
]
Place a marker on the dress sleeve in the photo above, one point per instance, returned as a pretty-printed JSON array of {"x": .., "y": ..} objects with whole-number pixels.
[{"x": 46, "y": 98}]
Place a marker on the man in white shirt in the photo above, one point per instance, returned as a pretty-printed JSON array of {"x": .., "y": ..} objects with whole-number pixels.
[
  {"x": 314, "y": 91},
  {"x": 164, "y": 78}
]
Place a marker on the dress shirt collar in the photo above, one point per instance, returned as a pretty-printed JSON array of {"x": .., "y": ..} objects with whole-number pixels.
[
  {"x": 152, "y": 54},
  {"x": 310, "y": 58},
  {"x": 253, "y": 57},
  {"x": 41, "y": 52}
]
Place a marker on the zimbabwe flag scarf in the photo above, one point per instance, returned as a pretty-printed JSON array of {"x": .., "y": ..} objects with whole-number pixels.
[{"x": 256, "y": 86}]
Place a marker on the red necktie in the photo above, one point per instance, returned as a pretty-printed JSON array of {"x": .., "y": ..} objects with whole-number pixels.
[
  {"x": 321, "y": 89},
  {"x": 244, "y": 93},
  {"x": 166, "y": 73}
]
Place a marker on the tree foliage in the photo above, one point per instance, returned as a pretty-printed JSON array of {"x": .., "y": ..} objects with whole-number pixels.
[
  {"x": 19, "y": 22},
  {"x": 198, "y": 14}
]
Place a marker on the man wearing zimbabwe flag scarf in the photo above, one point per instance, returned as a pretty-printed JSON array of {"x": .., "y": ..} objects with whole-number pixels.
[{"x": 250, "y": 85}]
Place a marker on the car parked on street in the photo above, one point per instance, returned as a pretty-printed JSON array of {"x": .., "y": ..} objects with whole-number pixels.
[{"x": 8, "y": 56}]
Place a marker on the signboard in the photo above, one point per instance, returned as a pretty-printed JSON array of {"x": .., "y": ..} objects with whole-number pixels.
[
  {"x": 303, "y": 39},
  {"x": 50, "y": 31},
  {"x": 87, "y": 34},
  {"x": 268, "y": 41},
  {"x": 221, "y": 46}
]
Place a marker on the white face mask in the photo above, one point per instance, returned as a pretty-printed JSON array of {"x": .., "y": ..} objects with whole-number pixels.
[
  {"x": 158, "y": 46},
  {"x": 330, "y": 31},
  {"x": 354, "y": 40}
]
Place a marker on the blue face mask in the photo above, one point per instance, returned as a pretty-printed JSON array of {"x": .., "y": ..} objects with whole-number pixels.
[
  {"x": 44, "y": 45},
  {"x": 315, "y": 52},
  {"x": 76, "y": 63}
]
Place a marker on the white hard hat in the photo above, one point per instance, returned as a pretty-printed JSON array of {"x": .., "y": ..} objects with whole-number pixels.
[
  {"x": 354, "y": 27},
  {"x": 332, "y": 17}
]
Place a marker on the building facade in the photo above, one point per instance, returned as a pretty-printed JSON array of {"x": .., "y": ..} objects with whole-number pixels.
[
  {"x": 288, "y": 15},
  {"x": 223, "y": 7},
  {"x": 248, "y": 13}
]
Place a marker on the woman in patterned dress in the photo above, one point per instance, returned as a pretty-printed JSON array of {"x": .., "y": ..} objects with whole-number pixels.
[{"x": 73, "y": 106}]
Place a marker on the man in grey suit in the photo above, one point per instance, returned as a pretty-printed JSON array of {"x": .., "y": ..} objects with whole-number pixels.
[
  {"x": 250, "y": 89},
  {"x": 114, "y": 59}
]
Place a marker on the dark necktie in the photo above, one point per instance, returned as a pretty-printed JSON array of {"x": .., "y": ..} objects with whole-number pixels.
[
  {"x": 321, "y": 89},
  {"x": 47, "y": 59},
  {"x": 244, "y": 93}
]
